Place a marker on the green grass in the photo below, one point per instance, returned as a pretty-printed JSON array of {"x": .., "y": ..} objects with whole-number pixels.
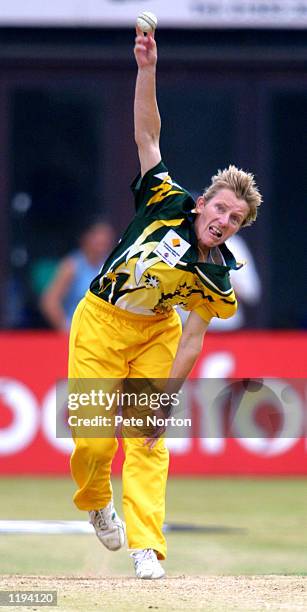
[{"x": 273, "y": 513}]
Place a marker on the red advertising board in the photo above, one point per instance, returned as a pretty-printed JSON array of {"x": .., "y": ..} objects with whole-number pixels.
[{"x": 31, "y": 363}]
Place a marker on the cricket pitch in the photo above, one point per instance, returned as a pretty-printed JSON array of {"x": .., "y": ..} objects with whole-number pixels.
[{"x": 210, "y": 593}]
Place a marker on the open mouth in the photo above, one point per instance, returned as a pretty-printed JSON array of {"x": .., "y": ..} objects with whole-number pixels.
[{"x": 215, "y": 231}]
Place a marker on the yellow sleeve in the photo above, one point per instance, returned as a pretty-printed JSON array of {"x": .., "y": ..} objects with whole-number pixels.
[{"x": 222, "y": 308}]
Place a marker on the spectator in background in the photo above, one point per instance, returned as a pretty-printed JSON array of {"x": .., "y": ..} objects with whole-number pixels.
[{"x": 74, "y": 274}]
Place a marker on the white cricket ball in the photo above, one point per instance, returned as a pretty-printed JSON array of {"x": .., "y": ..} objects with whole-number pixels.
[{"x": 147, "y": 21}]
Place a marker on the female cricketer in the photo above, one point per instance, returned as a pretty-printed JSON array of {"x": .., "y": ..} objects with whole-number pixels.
[{"x": 173, "y": 253}]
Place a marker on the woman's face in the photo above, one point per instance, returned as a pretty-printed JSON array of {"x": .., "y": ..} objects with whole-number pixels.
[{"x": 219, "y": 218}]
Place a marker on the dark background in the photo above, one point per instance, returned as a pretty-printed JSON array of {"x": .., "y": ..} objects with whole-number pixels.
[{"x": 67, "y": 148}]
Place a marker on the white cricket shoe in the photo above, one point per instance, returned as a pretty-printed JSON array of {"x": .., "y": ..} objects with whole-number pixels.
[
  {"x": 110, "y": 529},
  {"x": 146, "y": 564}
]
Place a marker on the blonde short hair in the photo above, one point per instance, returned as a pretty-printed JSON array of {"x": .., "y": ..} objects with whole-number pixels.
[{"x": 242, "y": 184}]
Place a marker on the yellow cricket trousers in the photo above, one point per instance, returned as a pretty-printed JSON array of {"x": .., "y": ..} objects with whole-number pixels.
[{"x": 107, "y": 342}]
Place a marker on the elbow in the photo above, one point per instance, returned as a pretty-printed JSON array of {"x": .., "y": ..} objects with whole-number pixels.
[{"x": 147, "y": 140}]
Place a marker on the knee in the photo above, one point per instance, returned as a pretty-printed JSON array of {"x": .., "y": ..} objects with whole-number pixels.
[{"x": 97, "y": 449}]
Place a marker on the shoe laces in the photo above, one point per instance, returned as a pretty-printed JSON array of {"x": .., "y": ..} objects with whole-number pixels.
[
  {"x": 100, "y": 519},
  {"x": 141, "y": 555}
]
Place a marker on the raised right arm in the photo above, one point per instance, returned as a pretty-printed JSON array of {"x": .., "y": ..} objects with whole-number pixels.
[{"x": 147, "y": 123}]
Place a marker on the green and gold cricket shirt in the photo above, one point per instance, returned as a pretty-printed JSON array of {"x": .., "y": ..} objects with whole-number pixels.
[{"x": 155, "y": 265}]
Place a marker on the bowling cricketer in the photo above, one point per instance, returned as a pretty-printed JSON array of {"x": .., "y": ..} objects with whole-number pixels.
[{"x": 172, "y": 253}]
